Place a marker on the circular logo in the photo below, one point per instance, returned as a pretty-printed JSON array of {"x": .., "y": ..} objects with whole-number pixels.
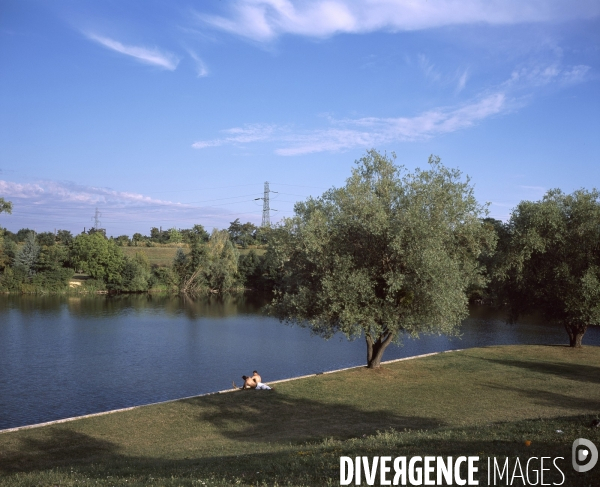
[{"x": 585, "y": 455}]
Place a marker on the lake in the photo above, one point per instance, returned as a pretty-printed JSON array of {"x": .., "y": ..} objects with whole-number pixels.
[{"x": 63, "y": 356}]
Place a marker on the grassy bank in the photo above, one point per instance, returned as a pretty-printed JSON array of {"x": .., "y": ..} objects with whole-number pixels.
[
  {"x": 163, "y": 255},
  {"x": 484, "y": 402}
]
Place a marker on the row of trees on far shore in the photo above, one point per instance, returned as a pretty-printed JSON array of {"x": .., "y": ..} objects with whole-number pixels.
[
  {"x": 47, "y": 262},
  {"x": 390, "y": 253},
  {"x": 242, "y": 235}
]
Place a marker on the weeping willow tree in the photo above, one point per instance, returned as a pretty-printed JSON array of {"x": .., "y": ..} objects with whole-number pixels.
[
  {"x": 389, "y": 253},
  {"x": 210, "y": 266}
]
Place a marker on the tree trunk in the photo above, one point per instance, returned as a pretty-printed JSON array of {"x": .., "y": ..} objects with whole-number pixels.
[
  {"x": 576, "y": 332},
  {"x": 376, "y": 348},
  {"x": 188, "y": 284}
]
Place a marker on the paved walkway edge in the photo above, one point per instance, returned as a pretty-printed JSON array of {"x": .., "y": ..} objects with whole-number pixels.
[{"x": 74, "y": 418}]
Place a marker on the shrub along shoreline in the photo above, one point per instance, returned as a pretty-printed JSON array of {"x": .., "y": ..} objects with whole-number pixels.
[{"x": 483, "y": 401}]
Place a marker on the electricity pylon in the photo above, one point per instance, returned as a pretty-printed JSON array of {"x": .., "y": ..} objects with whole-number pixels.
[
  {"x": 266, "y": 217},
  {"x": 96, "y": 219}
]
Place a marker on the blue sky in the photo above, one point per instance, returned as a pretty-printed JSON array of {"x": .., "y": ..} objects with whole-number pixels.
[{"x": 171, "y": 113}]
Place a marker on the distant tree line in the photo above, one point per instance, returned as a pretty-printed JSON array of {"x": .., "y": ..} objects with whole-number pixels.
[
  {"x": 390, "y": 253},
  {"x": 33, "y": 262},
  {"x": 242, "y": 235}
]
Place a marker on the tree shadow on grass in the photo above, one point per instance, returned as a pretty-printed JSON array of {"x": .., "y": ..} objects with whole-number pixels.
[
  {"x": 310, "y": 464},
  {"x": 271, "y": 416},
  {"x": 56, "y": 447},
  {"x": 578, "y": 372},
  {"x": 248, "y": 416},
  {"x": 553, "y": 399}
]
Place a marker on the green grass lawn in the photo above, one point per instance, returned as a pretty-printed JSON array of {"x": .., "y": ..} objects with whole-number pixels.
[
  {"x": 484, "y": 401},
  {"x": 160, "y": 256},
  {"x": 163, "y": 256}
]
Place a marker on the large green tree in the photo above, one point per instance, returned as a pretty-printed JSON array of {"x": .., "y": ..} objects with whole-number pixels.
[
  {"x": 242, "y": 234},
  {"x": 99, "y": 257},
  {"x": 551, "y": 261},
  {"x": 389, "y": 253}
]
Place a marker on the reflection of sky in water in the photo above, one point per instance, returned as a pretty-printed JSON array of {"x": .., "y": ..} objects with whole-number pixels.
[{"x": 62, "y": 357}]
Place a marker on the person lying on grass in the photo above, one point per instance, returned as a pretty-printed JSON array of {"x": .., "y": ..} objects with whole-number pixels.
[{"x": 254, "y": 382}]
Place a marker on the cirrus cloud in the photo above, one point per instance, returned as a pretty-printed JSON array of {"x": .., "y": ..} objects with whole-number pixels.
[
  {"x": 371, "y": 131},
  {"x": 265, "y": 20},
  {"x": 240, "y": 135},
  {"x": 364, "y": 132},
  {"x": 155, "y": 57}
]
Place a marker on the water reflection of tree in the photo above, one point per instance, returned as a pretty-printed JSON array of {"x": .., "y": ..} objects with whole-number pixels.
[
  {"x": 30, "y": 304},
  {"x": 92, "y": 306},
  {"x": 168, "y": 305},
  {"x": 220, "y": 306}
]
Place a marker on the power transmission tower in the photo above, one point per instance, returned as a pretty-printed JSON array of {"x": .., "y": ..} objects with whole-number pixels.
[
  {"x": 96, "y": 219},
  {"x": 266, "y": 220},
  {"x": 266, "y": 217}
]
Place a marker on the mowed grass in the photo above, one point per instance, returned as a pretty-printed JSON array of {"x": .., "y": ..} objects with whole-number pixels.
[
  {"x": 163, "y": 256},
  {"x": 159, "y": 256},
  {"x": 484, "y": 402}
]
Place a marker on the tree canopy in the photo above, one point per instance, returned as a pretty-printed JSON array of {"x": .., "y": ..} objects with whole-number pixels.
[
  {"x": 550, "y": 261},
  {"x": 242, "y": 234},
  {"x": 389, "y": 253},
  {"x": 212, "y": 266},
  {"x": 5, "y": 206},
  {"x": 99, "y": 257},
  {"x": 28, "y": 255}
]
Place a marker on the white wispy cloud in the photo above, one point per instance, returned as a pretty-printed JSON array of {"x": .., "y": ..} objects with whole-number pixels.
[
  {"x": 155, "y": 57},
  {"x": 240, "y": 135},
  {"x": 364, "y": 132},
  {"x": 540, "y": 75},
  {"x": 369, "y": 132},
  {"x": 462, "y": 81},
  {"x": 372, "y": 131},
  {"x": 264, "y": 20},
  {"x": 47, "y": 205},
  {"x": 436, "y": 76},
  {"x": 201, "y": 69},
  {"x": 576, "y": 74},
  {"x": 15, "y": 190},
  {"x": 43, "y": 192},
  {"x": 428, "y": 68}
]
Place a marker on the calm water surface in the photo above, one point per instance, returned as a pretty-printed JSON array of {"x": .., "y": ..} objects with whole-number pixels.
[{"x": 68, "y": 356}]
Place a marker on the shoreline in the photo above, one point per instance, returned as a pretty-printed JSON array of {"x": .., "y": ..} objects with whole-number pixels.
[{"x": 224, "y": 391}]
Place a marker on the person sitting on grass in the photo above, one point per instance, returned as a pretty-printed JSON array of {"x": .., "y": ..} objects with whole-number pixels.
[
  {"x": 256, "y": 377},
  {"x": 259, "y": 383},
  {"x": 249, "y": 382},
  {"x": 253, "y": 382}
]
